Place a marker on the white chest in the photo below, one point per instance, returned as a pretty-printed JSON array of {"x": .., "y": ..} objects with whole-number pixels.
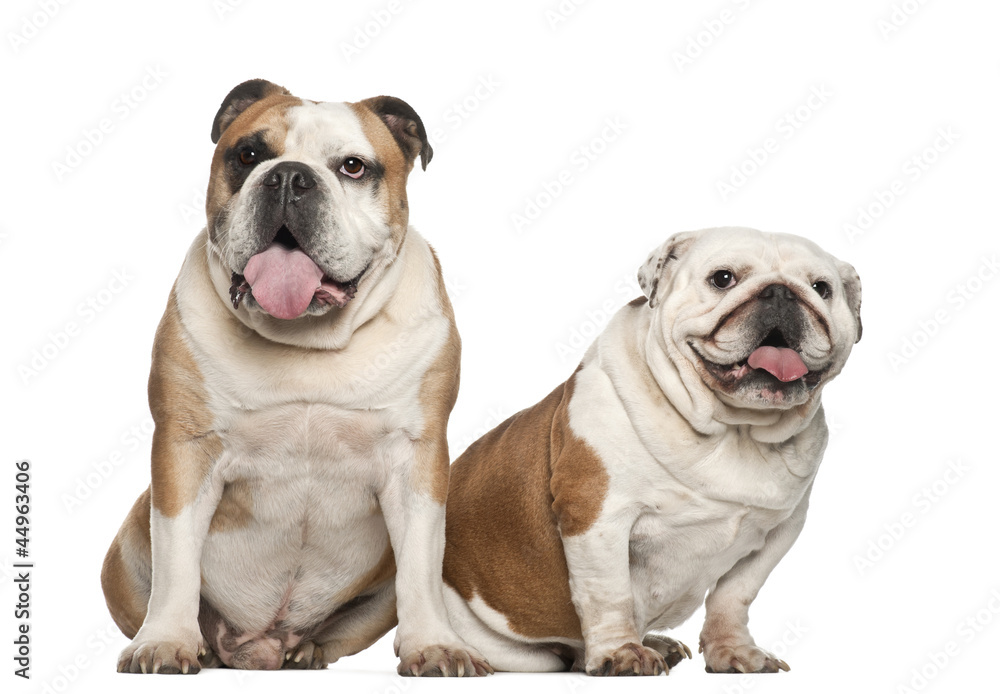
[
  {"x": 299, "y": 520},
  {"x": 680, "y": 549}
]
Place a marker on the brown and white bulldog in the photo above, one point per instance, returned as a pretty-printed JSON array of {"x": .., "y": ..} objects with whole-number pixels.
[
  {"x": 677, "y": 460},
  {"x": 302, "y": 378}
]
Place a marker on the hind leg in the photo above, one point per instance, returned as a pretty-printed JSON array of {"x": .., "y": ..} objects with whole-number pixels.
[
  {"x": 351, "y": 629},
  {"x": 672, "y": 650},
  {"x": 127, "y": 573},
  {"x": 504, "y": 652}
]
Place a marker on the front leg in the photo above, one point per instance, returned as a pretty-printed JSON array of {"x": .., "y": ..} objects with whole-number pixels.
[
  {"x": 170, "y": 639},
  {"x": 184, "y": 495},
  {"x": 601, "y": 587},
  {"x": 413, "y": 503},
  {"x": 725, "y": 638}
]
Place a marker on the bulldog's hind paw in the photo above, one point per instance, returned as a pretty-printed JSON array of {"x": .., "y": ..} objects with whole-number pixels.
[
  {"x": 444, "y": 661},
  {"x": 308, "y": 656},
  {"x": 672, "y": 650},
  {"x": 630, "y": 659},
  {"x": 742, "y": 658}
]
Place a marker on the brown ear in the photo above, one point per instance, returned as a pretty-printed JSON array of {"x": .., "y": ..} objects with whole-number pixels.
[
  {"x": 852, "y": 291},
  {"x": 405, "y": 125},
  {"x": 239, "y": 100},
  {"x": 660, "y": 263}
]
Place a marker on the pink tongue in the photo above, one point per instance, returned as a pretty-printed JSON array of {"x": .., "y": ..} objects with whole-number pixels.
[
  {"x": 283, "y": 280},
  {"x": 782, "y": 363}
]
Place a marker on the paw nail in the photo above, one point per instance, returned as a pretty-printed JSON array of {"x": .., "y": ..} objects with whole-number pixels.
[
  {"x": 185, "y": 667},
  {"x": 783, "y": 665}
]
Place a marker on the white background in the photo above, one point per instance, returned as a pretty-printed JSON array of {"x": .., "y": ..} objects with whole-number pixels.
[{"x": 514, "y": 93}]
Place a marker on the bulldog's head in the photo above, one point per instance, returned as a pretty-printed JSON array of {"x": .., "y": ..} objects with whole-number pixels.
[
  {"x": 763, "y": 320},
  {"x": 308, "y": 199}
]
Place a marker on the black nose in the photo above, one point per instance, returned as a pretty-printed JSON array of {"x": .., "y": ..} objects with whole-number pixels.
[
  {"x": 775, "y": 293},
  {"x": 290, "y": 180}
]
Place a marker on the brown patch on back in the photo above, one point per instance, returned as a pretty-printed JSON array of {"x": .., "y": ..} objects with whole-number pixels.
[
  {"x": 510, "y": 492},
  {"x": 125, "y": 575},
  {"x": 397, "y": 170},
  {"x": 266, "y": 116},
  {"x": 438, "y": 393},
  {"x": 184, "y": 445}
]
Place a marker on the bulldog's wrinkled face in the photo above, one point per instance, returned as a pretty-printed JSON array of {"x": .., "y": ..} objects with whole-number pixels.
[
  {"x": 305, "y": 198},
  {"x": 764, "y": 319}
]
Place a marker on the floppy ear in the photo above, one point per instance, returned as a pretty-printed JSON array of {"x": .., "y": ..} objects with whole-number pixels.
[
  {"x": 239, "y": 100},
  {"x": 660, "y": 264},
  {"x": 852, "y": 291},
  {"x": 405, "y": 125}
]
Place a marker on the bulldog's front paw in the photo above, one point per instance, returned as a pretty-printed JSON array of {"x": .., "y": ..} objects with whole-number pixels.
[
  {"x": 165, "y": 656},
  {"x": 741, "y": 658},
  {"x": 443, "y": 661},
  {"x": 630, "y": 659}
]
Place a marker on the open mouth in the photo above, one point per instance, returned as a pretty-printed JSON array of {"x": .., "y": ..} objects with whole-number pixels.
[
  {"x": 773, "y": 365},
  {"x": 285, "y": 281}
]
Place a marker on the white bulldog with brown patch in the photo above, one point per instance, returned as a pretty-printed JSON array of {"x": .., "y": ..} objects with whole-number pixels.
[
  {"x": 676, "y": 461},
  {"x": 302, "y": 378}
]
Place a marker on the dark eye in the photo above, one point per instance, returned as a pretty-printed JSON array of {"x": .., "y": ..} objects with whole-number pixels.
[
  {"x": 823, "y": 289},
  {"x": 353, "y": 167},
  {"x": 247, "y": 156},
  {"x": 723, "y": 279}
]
